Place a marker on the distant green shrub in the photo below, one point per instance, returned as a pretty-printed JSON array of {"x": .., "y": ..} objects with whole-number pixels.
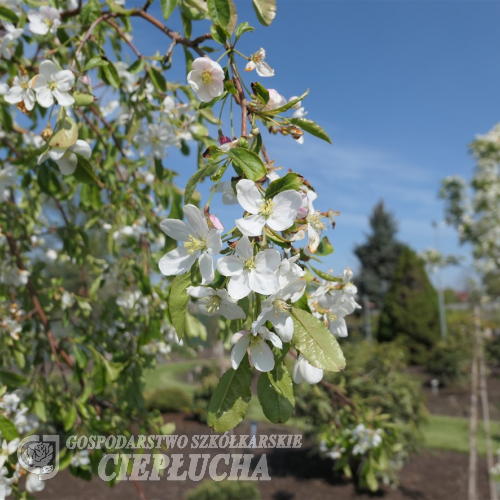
[
  {"x": 449, "y": 360},
  {"x": 410, "y": 312},
  {"x": 202, "y": 395},
  {"x": 224, "y": 490},
  {"x": 169, "y": 399}
]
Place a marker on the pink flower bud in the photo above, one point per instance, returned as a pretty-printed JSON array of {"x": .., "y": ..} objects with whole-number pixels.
[
  {"x": 214, "y": 222},
  {"x": 224, "y": 140}
]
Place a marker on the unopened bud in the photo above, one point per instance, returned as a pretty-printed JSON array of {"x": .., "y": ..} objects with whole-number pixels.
[
  {"x": 224, "y": 140},
  {"x": 243, "y": 143},
  {"x": 46, "y": 133},
  {"x": 255, "y": 131}
]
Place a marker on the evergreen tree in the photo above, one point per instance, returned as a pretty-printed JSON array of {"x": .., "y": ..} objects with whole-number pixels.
[
  {"x": 410, "y": 311},
  {"x": 378, "y": 256}
]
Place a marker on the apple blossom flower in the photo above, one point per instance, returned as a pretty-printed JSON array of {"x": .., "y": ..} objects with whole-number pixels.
[
  {"x": 303, "y": 370},
  {"x": 299, "y": 113},
  {"x": 278, "y": 213},
  {"x": 46, "y": 20},
  {"x": 206, "y": 79},
  {"x": 200, "y": 242},
  {"x": 80, "y": 458},
  {"x": 67, "y": 300},
  {"x": 10, "y": 402},
  {"x": 365, "y": 439},
  {"x": 249, "y": 272},
  {"x": 228, "y": 196},
  {"x": 52, "y": 83},
  {"x": 289, "y": 271},
  {"x": 257, "y": 62},
  {"x": 261, "y": 354},
  {"x": 66, "y": 158},
  {"x": 276, "y": 310},
  {"x": 334, "y": 453},
  {"x": 8, "y": 178},
  {"x": 157, "y": 137},
  {"x": 276, "y": 100},
  {"x": 8, "y": 448},
  {"x": 5, "y": 483},
  {"x": 7, "y": 46},
  {"x": 212, "y": 302},
  {"x": 33, "y": 483},
  {"x": 314, "y": 224}
]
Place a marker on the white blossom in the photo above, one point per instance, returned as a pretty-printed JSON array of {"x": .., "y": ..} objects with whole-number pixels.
[
  {"x": 8, "y": 178},
  {"x": 200, "y": 242},
  {"x": 66, "y": 158},
  {"x": 33, "y": 483},
  {"x": 257, "y": 62},
  {"x": 21, "y": 91},
  {"x": 80, "y": 458},
  {"x": 46, "y": 20},
  {"x": 278, "y": 213},
  {"x": 228, "y": 196},
  {"x": 53, "y": 84},
  {"x": 206, "y": 79},
  {"x": 304, "y": 371},
  {"x": 212, "y": 302},
  {"x": 276, "y": 100},
  {"x": 8, "y": 448},
  {"x": 249, "y": 272},
  {"x": 365, "y": 439},
  {"x": 261, "y": 354},
  {"x": 158, "y": 137}
]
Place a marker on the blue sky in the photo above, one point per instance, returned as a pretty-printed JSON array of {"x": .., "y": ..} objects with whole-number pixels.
[{"x": 401, "y": 87}]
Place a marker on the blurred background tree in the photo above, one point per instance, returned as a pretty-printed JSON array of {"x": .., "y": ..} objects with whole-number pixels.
[
  {"x": 410, "y": 310},
  {"x": 378, "y": 256}
]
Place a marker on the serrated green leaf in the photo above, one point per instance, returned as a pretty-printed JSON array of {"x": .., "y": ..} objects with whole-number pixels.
[
  {"x": 111, "y": 75},
  {"x": 94, "y": 62},
  {"x": 325, "y": 247},
  {"x": 276, "y": 396},
  {"x": 289, "y": 181},
  {"x": 229, "y": 403},
  {"x": 311, "y": 127},
  {"x": 85, "y": 173},
  {"x": 316, "y": 342},
  {"x": 7, "y": 429},
  {"x": 219, "y": 34},
  {"x": 242, "y": 28},
  {"x": 8, "y": 15},
  {"x": 326, "y": 276},
  {"x": 219, "y": 11},
  {"x": 65, "y": 133},
  {"x": 248, "y": 162},
  {"x": 289, "y": 104},
  {"x": 193, "y": 182},
  {"x": 261, "y": 92},
  {"x": 158, "y": 79},
  {"x": 178, "y": 301},
  {"x": 265, "y": 10},
  {"x": 167, "y": 7}
]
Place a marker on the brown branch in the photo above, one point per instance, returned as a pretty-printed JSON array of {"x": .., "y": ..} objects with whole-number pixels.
[
  {"x": 54, "y": 345},
  {"x": 124, "y": 37},
  {"x": 242, "y": 98}
]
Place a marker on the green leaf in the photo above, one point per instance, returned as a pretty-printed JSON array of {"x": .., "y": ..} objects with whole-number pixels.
[
  {"x": 219, "y": 34},
  {"x": 289, "y": 181},
  {"x": 325, "y": 247},
  {"x": 261, "y": 91},
  {"x": 65, "y": 132},
  {"x": 193, "y": 182},
  {"x": 82, "y": 99},
  {"x": 275, "y": 392},
  {"x": 248, "y": 162},
  {"x": 8, "y": 429},
  {"x": 288, "y": 105},
  {"x": 111, "y": 75},
  {"x": 47, "y": 180},
  {"x": 158, "y": 79},
  {"x": 69, "y": 417},
  {"x": 311, "y": 127},
  {"x": 95, "y": 61},
  {"x": 242, "y": 28},
  {"x": 233, "y": 17},
  {"x": 316, "y": 342},
  {"x": 229, "y": 86},
  {"x": 229, "y": 403},
  {"x": 219, "y": 11},
  {"x": 84, "y": 172},
  {"x": 326, "y": 276},
  {"x": 167, "y": 7},
  {"x": 265, "y": 10},
  {"x": 8, "y": 15},
  {"x": 178, "y": 301},
  {"x": 208, "y": 105}
]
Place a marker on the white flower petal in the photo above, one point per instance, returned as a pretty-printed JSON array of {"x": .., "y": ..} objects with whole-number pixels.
[
  {"x": 68, "y": 163},
  {"x": 263, "y": 69},
  {"x": 206, "y": 262},
  {"x": 63, "y": 98},
  {"x": 214, "y": 243},
  {"x": 199, "y": 292},
  {"x": 177, "y": 261},
  {"x": 230, "y": 266},
  {"x": 82, "y": 148},
  {"x": 196, "y": 220},
  {"x": 231, "y": 311},
  {"x": 244, "y": 249},
  {"x": 262, "y": 356},
  {"x": 283, "y": 324},
  {"x": 44, "y": 96},
  {"x": 249, "y": 196},
  {"x": 251, "y": 225},
  {"x": 238, "y": 286},
  {"x": 268, "y": 259},
  {"x": 262, "y": 281},
  {"x": 239, "y": 350},
  {"x": 176, "y": 229}
]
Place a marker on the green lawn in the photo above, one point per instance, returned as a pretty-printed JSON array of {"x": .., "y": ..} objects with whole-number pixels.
[{"x": 441, "y": 432}]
